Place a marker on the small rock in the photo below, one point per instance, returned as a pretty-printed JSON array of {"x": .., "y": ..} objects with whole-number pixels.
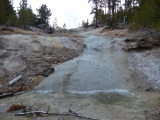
[{"x": 148, "y": 89}]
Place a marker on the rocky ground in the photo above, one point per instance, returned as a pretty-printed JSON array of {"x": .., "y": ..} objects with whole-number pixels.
[
  {"x": 33, "y": 54},
  {"x": 143, "y": 104},
  {"x": 143, "y": 50}
]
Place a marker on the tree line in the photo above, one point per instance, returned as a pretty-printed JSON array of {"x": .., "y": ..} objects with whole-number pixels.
[
  {"x": 24, "y": 15},
  {"x": 134, "y": 13}
]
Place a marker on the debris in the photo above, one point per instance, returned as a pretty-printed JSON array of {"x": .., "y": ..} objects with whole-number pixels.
[
  {"x": 6, "y": 94},
  {"x": 131, "y": 40},
  {"x": 11, "y": 92},
  {"x": 14, "y": 80},
  {"x": 7, "y": 29},
  {"x": 35, "y": 112},
  {"x": 15, "y": 107},
  {"x": 40, "y": 113},
  {"x": 45, "y": 72}
]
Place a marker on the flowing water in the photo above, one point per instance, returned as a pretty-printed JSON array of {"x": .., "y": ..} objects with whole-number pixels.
[{"x": 101, "y": 68}]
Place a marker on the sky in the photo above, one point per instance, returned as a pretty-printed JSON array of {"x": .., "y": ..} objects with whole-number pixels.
[{"x": 70, "y": 12}]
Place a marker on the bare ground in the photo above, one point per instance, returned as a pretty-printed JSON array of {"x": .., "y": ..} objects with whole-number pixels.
[{"x": 33, "y": 54}]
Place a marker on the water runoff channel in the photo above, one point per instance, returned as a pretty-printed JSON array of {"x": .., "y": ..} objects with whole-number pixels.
[{"x": 100, "y": 71}]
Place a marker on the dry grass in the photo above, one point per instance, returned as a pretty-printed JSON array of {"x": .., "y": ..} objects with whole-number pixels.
[
  {"x": 56, "y": 44},
  {"x": 66, "y": 35},
  {"x": 17, "y": 30},
  {"x": 109, "y": 32},
  {"x": 36, "y": 31}
]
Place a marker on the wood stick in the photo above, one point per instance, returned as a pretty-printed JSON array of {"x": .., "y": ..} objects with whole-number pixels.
[
  {"x": 30, "y": 113},
  {"x": 14, "y": 80}
]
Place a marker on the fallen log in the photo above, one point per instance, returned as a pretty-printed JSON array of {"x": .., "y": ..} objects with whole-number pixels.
[{"x": 14, "y": 80}]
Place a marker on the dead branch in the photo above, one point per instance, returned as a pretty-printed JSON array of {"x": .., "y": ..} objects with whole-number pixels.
[
  {"x": 82, "y": 107},
  {"x": 6, "y": 94},
  {"x": 32, "y": 106},
  {"x": 38, "y": 113},
  {"x": 34, "y": 112},
  {"x": 12, "y": 92},
  {"x": 35, "y": 102},
  {"x": 41, "y": 106}
]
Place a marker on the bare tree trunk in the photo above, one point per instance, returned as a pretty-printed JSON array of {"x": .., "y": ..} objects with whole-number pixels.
[{"x": 96, "y": 13}]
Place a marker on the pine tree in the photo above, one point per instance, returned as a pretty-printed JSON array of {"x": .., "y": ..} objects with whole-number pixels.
[
  {"x": 147, "y": 14},
  {"x": 43, "y": 15},
  {"x": 25, "y": 14},
  {"x": 95, "y": 10},
  {"x": 7, "y": 13}
]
